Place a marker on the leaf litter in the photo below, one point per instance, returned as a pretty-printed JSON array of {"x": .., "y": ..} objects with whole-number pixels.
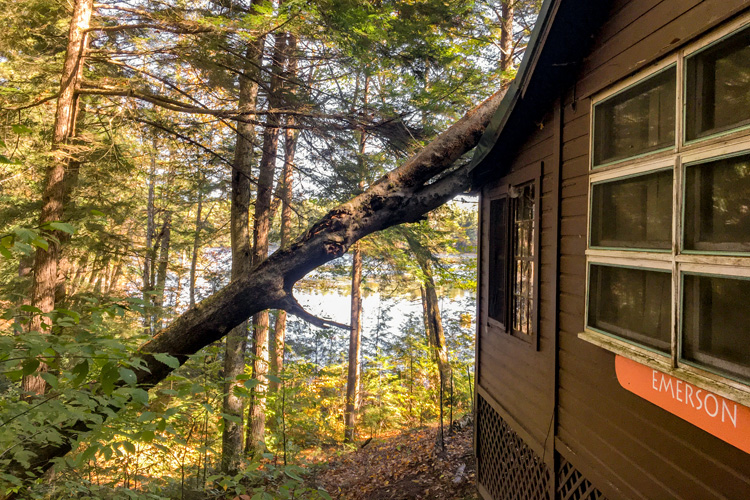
[{"x": 405, "y": 466}]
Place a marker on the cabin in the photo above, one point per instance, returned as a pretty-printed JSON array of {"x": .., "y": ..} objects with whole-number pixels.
[{"x": 613, "y": 337}]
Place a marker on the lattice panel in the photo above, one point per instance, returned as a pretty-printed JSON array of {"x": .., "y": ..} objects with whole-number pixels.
[
  {"x": 506, "y": 467},
  {"x": 571, "y": 485}
]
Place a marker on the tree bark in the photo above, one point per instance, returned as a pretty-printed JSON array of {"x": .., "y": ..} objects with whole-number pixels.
[
  {"x": 261, "y": 226},
  {"x": 196, "y": 246},
  {"x": 423, "y": 183},
  {"x": 162, "y": 264},
  {"x": 236, "y": 343},
  {"x": 46, "y": 261},
  {"x": 287, "y": 178},
  {"x": 355, "y": 346},
  {"x": 433, "y": 320},
  {"x": 506, "y": 34}
]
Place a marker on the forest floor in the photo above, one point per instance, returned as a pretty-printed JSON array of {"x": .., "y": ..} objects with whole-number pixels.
[{"x": 405, "y": 466}]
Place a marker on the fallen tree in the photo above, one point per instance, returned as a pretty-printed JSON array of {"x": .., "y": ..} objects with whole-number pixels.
[{"x": 427, "y": 180}]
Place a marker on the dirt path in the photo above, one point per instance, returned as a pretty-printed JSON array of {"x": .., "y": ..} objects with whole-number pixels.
[{"x": 404, "y": 467}]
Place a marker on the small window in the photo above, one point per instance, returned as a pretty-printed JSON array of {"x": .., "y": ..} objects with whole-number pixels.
[
  {"x": 498, "y": 259},
  {"x": 633, "y": 212},
  {"x": 634, "y": 304},
  {"x": 512, "y": 257},
  {"x": 638, "y": 120},
  {"x": 718, "y": 87},
  {"x": 522, "y": 305},
  {"x": 717, "y": 205},
  {"x": 715, "y": 323}
]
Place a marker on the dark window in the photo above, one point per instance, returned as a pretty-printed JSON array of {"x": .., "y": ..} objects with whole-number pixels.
[
  {"x": 717, "y": 205},
  {"x": 512, "y": 259},
  {"x": 634, "y": 304},
  {"x": 522, "y": 305},
  {"x": 637, "y": 120},
  {"x": 716, "y": 323},
  {"x": 498, "y": 259},
  {"x": 718, "y": 87},
  {"x": 633, "y": 212}
]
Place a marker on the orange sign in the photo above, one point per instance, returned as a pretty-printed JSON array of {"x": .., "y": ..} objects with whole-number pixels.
[{"x": 715, "y": 414}]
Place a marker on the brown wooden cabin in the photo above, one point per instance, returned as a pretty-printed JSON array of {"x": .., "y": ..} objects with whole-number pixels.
[{"x": 613, "y": 347}]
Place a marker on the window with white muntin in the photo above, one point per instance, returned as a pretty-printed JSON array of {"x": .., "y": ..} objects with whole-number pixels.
[{"x": 668, "y": 255}]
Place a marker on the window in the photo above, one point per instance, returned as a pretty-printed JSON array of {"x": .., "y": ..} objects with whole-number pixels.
[
  {"x": 513, "y": 256},
  {"x": 668, "y": 254}
]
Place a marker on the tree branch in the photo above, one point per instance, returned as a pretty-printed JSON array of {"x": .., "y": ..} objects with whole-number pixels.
[{"x": 423, "y": 183}]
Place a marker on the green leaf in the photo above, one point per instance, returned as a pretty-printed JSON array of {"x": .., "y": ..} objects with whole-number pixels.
[
  {"x": 61, "y": 226},
  {"x": 128, "y": 376},
  {"x": 72, "y": 314},
  {"x": 108, "y": 377},
  {"x": 81, "y": 370},
  {"x": 50, "y": 379},
  {"x": 324, "y": 494},
  {"x": 40, "y": 242},
  {"x": 168, "y": 360},
  {"x": 30, "y": 309},
  {"x": 139, "y": 395},
  {"x": 249, "y": 384},
  {"x": 97, "y": 213},
  {"x": 129, "y": 447},
  {"x": 21, "y": 129},
  {"x": 89, "y": 453},
  {"x": 293, "y": 475},
  {"x": 274, "y": 378},
  {"x": 147, "y": 436},
  {"x": 146, "y": 416},
  {"x": 5, "y": 252},
  {"x": 29, "y": 366}
]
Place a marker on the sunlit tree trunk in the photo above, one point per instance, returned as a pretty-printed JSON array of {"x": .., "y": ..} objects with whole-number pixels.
[
  {"x": 506, "y": 34},
  {"x": 149, "y": 256},
  {"x": 236, "y": 342},
  {"x": 46, "y": 261},
  {"x": 196, "y": 246},
  {"x": 287, "y": 178},
  {"x": 162, "y": 265},
  {"x": 355, "y": 347},
  {"x": 261, "y": 227}
]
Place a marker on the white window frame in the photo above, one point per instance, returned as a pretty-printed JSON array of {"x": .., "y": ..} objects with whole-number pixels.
[{"x": 678, "y": 261}]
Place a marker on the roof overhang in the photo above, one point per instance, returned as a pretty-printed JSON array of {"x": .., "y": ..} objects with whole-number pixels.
[{"x": 562, "y": 34}]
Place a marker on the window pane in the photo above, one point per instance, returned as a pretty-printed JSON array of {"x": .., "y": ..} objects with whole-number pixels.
[
  {"x": 633, "y": 213},
  {"x": 631, "y": 303},
  {"x": 717, "y": 205},
  {"x": 718, "y": 87},
  {"x": 716, "y": 323},
  {"x": 637, "y": 120},
  {"x": 524, "y": 204},
  {"x": 498, "y": 264}
]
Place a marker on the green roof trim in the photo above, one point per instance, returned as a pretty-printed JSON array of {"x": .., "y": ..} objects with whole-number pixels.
[{"x": 517, "y": 87}]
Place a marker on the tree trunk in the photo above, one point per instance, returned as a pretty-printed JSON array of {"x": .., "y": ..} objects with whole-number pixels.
[
  {"x": 355, "y": 345},
  {"x": 421, "y": 184},
  {"x": 287, "y": 178},
  {"x": 236, "y": 343},
  {"x": 162, "y": 264},
  {"x": 149, "y": 257},
  {"x": 46, "y": 261},
  {"x": 506, "y": 35},
  {"x": 196, "y": 246},
  {"x": 261, "y": 227},
  {"x": 433, "y": 320}
]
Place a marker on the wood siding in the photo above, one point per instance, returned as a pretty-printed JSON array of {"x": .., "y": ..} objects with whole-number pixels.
[
  {"x": 512, "y": 371},
  {"x": 626, "y": 446}
]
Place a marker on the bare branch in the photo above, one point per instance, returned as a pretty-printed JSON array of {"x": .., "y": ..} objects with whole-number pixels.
[{"x": 291, "y": 306}]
